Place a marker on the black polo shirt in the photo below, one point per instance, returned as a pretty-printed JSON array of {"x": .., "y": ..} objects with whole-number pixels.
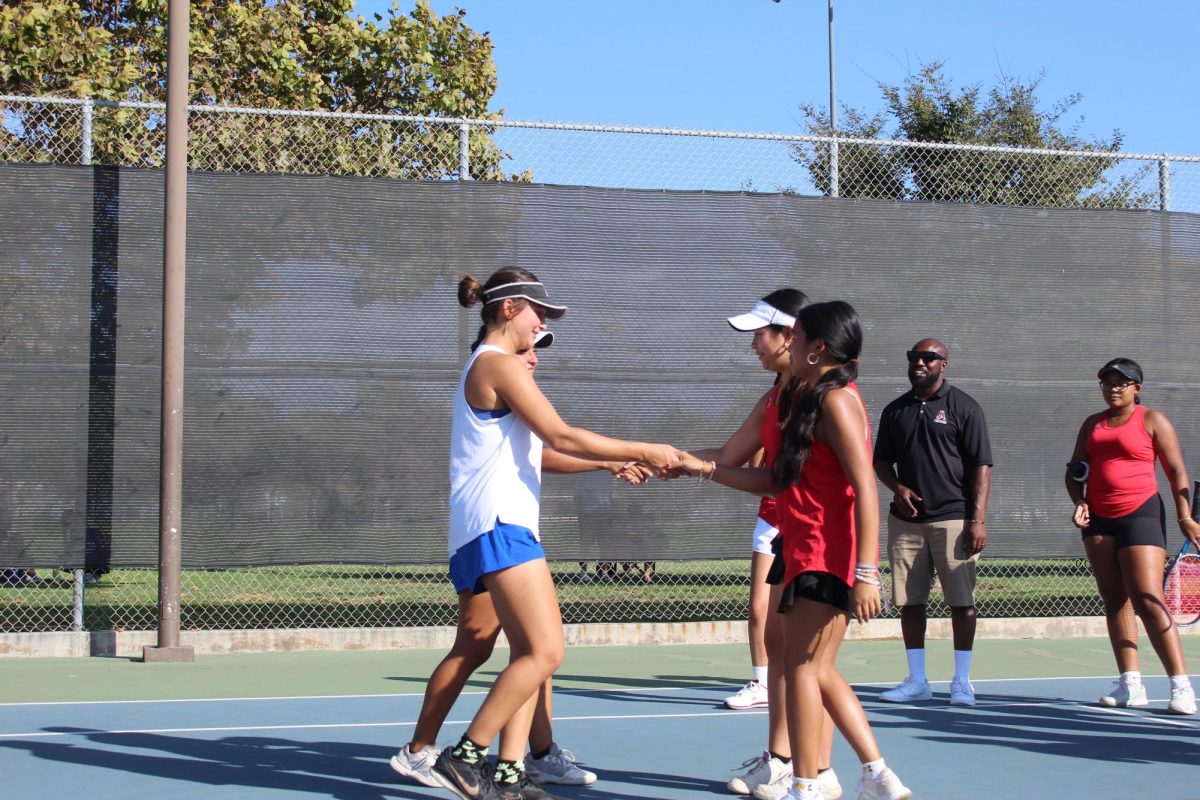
[{"x": 934, "y": 443}]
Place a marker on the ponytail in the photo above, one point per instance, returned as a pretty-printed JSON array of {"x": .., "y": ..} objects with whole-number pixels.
[{"x": 801, "y": 414}]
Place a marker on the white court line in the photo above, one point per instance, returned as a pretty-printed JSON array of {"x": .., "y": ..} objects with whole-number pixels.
[
  {"x": 715, "y": 686},
  {"x": 581, "y": 718},
  {"x": 719, "y": 686}
]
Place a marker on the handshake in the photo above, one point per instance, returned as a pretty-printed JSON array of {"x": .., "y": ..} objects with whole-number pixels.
[{"x": 662, "y": 462}]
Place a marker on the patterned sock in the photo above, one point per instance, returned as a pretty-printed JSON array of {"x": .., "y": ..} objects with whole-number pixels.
[
  {"x": 508, "y": 773},
  {"x": 468, "y": 751}
]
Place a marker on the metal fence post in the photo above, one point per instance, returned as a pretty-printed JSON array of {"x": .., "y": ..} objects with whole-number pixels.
[
  {"x": 1164, "y": 184},
  {"x": 86, "y": 143},
  {"x": 77, "y": 600},
  {"x": 464, "y": 151}
]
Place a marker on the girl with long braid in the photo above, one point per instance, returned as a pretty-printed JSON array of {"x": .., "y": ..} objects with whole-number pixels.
[{"x": 825, "y": 491}]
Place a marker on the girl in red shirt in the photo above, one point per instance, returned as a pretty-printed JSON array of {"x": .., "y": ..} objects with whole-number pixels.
[
  {"x": 1123, "y": 520},
  {"x": 825, "y": 491}
]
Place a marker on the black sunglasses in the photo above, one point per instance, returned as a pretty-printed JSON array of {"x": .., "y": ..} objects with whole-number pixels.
[{"x": 928, "y": 356}]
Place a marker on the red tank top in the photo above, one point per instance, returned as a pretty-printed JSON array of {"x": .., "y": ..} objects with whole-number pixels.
[
  {"x": 1121, "y": 459},
  {"x": 816, "y": 516},
  {"x": 770, "y": 438}
]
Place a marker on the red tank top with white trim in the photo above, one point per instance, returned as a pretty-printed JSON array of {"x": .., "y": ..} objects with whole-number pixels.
[
  {"x": 1121, "y": 461},
  {"x": 770, "y": 438},
  {"x": 816, "y": 515}
]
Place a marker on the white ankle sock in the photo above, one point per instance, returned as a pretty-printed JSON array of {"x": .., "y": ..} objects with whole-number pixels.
[
  {"x": 962, "y": 664},
  {"x": 1180, "y": 682},
  {"x": 760, "y": 675},
  {"x": 873, "y": 768},
  {"x": 1133, "y": 678},
  {"x": 916, "y": 663}
]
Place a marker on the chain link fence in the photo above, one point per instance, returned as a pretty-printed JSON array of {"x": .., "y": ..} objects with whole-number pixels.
[
  {"x": 71, "y": 131},
  {"x": 228, "y": 139}
]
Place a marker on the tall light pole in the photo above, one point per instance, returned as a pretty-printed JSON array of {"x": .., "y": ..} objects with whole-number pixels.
[
  {"x": 833, "y": 146},
  {"x": 170, "y": 491}
]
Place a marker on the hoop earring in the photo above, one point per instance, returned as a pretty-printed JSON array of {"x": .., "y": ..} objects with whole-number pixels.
[{"x": 813, "y": 359}]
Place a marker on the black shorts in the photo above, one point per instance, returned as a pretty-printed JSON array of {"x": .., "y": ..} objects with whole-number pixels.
[
  {"x": 1145, "y": 525},
  {"x": 820, "y": 587}
]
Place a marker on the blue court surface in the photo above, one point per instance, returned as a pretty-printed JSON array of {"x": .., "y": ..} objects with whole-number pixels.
[{"x": 1026, "y": 738}]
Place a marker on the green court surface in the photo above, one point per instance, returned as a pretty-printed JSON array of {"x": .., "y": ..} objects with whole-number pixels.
[{"x": 405, "y": 671}]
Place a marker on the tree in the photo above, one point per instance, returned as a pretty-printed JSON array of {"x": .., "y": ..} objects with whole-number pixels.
[
  {"x": 928, "y": 109},
  {"x": 271, "y": 54}
]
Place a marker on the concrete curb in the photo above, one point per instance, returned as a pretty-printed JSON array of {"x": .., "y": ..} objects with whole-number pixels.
[{"x": 129, "y": 644}]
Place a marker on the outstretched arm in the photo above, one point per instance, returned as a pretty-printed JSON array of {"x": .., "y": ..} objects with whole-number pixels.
[{"x": 1170, "y": 455}]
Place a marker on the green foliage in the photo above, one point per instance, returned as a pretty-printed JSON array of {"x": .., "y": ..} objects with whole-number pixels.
[
  {"x": 272, "y": 54},
  {"x": 928, "y": 109}
]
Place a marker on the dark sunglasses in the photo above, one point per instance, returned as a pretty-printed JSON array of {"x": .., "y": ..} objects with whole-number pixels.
[{"x": 928, "y": 356}]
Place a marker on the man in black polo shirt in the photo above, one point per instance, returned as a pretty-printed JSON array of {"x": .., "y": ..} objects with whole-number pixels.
[{"x": 933, "y": 453}]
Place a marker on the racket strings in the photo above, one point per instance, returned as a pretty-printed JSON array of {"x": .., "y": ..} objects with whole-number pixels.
[{"x": 1182, "y": 589}]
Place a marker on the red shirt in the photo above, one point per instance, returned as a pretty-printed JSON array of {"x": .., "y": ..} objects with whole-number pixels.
[
  {"x": 770, "y": 438},
  {"x": 1121, "y": 460},
  {"x": 816, "y": 516}
]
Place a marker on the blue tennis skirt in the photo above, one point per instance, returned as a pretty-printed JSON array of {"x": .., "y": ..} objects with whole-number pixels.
[{"x": 502, "y": 547}]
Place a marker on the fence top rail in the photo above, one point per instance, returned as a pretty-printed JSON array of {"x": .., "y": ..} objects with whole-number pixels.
[{"x": 593, "y": 128}]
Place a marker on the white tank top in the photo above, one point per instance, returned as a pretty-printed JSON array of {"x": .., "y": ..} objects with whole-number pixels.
[{"x": 495, "y": 469}]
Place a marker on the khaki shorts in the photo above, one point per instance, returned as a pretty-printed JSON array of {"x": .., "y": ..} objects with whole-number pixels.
[{"x": 919, "y": 550}]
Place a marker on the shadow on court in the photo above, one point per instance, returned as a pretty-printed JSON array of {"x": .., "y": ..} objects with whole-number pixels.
[
  {"x": 1048, "y": 727},
  {"x": 329, "y": 769}
]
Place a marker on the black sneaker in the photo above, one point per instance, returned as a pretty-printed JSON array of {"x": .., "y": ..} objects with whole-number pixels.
[
  {"x": 524, "y": 789},
  {"x": 468, "y": 781}
]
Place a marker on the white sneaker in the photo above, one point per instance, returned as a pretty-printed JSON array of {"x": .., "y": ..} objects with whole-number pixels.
[
  {"x": 777, "y": 783},
  {"x": 558, "y": 767},
  {"x": 752, "y": 695},
  {"x": 417, "y": 766},
  {"x": 827, "y": 783},
  {"x": 910, "y": 690},
  {"x": 962, "y": 693},
  {"x": 884, "y": 786},
  {"x": 1122, "y": 695},
  {"x": 1183, "y": 701},
  {"x": 792, "y": 794},
  {"x": 758, "y": 770}
]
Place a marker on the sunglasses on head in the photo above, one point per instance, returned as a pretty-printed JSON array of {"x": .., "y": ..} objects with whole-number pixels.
[{"x": 928, "y": 356}]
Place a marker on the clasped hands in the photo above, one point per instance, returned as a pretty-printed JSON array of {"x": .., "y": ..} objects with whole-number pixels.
[{"x": 667, "y": 463}]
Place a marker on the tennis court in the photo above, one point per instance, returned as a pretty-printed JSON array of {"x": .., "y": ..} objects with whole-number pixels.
[{"x": 649, "y": 720}]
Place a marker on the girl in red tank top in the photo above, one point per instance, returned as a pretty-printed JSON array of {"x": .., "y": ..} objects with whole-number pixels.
[
  {"x": 1122, "y": 518},
  {"x": 756, "y": 442},
  {"x": 829, "y": 520}
]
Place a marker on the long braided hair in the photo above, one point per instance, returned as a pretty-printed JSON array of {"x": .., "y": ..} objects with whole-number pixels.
[{"x": 836, "y": 323}]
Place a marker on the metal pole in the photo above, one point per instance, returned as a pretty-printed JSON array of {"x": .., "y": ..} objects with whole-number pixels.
[
  {"x": 77, "y": 600},
  {"x": 464, "y": 152},
  {"x": 833, "y": 146},
  {"x": 86, "y": 145},
  {"x": 170, "y": 491},
  {"x": 1164, "y": 185}
]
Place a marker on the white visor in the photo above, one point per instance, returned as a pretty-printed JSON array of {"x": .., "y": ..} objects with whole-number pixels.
[
  {"x": 543, "y": 340},
  {"x": 762, "y": 315}
]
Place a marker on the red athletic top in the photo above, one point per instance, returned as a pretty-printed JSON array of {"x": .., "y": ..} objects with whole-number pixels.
[
  {"x": 816, "y": 516},
  {"x": 1121, "y": 459},
  {"x": 770, "y": 438}
]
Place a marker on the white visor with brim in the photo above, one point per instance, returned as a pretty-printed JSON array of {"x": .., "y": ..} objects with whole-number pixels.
[
  {"x": 762, "y": 315},
  {"x": 533, "y": 292},
  {"x": 543, "y": 340}
]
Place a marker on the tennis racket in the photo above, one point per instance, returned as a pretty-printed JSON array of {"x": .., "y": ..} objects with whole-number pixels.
[{"x": 1181, "y": 587}]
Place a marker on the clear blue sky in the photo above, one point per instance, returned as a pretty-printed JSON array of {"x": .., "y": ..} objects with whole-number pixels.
[{"x": 747, "y": 64}]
